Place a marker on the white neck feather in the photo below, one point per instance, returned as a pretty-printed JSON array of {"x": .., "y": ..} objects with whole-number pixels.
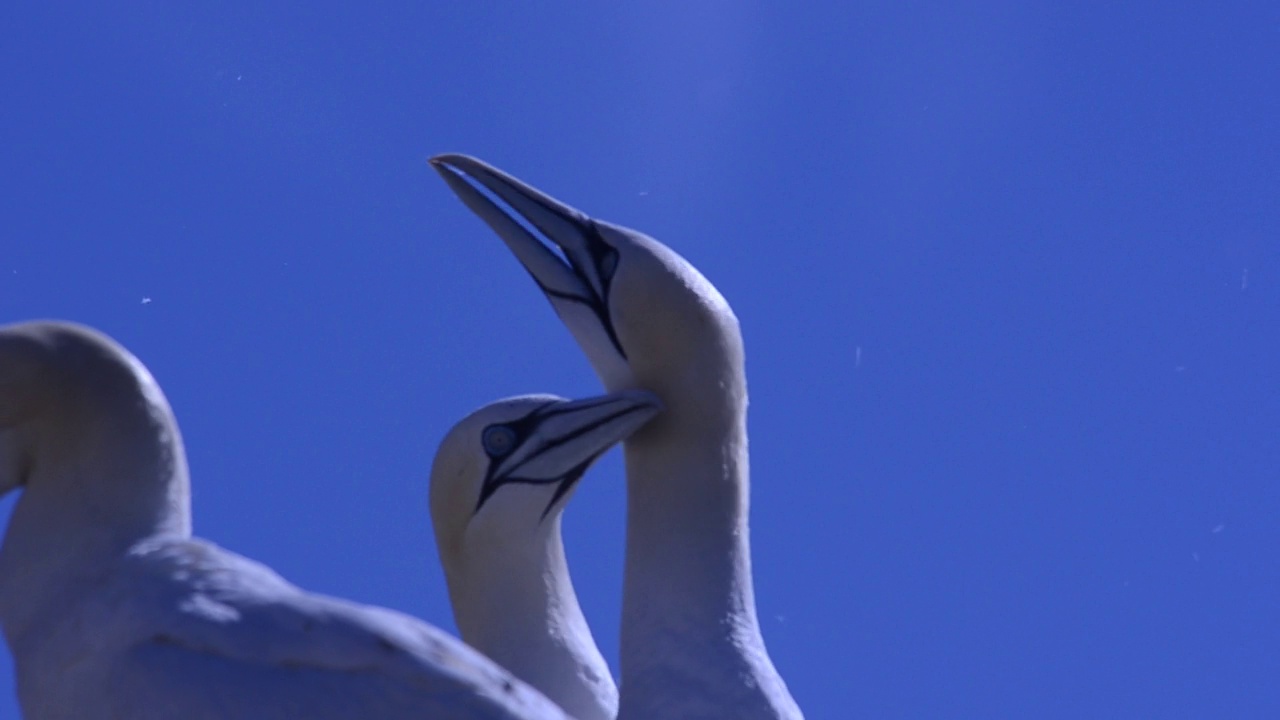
[
  {"x": 691, "y": 642},
  {"x": 519, "y": 608},
  {"x": 101, "y": 479},
  {"x": 688, "y": 576}
]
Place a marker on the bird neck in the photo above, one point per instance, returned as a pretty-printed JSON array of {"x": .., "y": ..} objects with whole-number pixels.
[
  {"x": 689, "y": 615},
  {"x": 98, "y": 483},
  {"x": 519, "y": 608}
]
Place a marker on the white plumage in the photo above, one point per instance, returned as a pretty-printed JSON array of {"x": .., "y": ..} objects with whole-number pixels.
[
  {"x": 691, "y": 642},
  {"x": 113, "y": 610},
  {"x": 499, "y": 485}
]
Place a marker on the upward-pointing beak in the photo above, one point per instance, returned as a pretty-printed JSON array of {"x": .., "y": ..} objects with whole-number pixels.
[{"x": 581, "y": 277}]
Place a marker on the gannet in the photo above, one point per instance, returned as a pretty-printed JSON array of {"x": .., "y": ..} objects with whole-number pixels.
[
  {"x": 691, "y": 645},
  {"x": 113, "y": 610},
  {"x": 499, "y": 484}
]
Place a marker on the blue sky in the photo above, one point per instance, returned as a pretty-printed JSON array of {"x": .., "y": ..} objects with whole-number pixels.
[{"x": 1008, "y": 273}]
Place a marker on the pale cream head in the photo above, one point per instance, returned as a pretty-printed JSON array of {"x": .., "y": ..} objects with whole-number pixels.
[
  {"x": 643, "y": 315},
  {"x": 503, "y": 474},
  {"x": 60, "y": 384}
]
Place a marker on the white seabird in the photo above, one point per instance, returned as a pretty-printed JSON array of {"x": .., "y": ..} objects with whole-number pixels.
[
  {"x": 113, "y": 610},
  {"x": 691, "y": 644},
  {"x": 499, "y": 484}
]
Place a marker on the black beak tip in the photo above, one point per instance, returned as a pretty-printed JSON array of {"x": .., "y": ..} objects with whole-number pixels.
[
  {"x": 450, "y": 160},
  {"x": 440, "y": 164}
]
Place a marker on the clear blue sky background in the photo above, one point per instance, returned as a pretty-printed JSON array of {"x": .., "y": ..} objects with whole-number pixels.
[{"x": 1009, "y": 276}]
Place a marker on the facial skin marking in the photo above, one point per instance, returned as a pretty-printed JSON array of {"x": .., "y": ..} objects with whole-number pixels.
[{"x": 514, "y": 434}]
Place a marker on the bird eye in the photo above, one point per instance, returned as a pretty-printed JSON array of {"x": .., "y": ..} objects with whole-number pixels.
[
  {"x": 608, "y": 264},
  {"x": 498, "y": 440}
]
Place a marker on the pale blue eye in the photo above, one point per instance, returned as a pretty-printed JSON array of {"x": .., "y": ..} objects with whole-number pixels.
[
  {"x": 608, "y": 264},
  {"x": 498, "y": 440}
]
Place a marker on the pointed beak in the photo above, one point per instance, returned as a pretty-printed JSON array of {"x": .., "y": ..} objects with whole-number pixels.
[
  {"x": 532, "y": 223},
  {"x": 567, "y": 437},
  {"x": 558, "y": 223}
]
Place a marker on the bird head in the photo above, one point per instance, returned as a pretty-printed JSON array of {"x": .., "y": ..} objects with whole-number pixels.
[
  {"x": 503, "y": 474},
  {"x": 643, "y": 315}
]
